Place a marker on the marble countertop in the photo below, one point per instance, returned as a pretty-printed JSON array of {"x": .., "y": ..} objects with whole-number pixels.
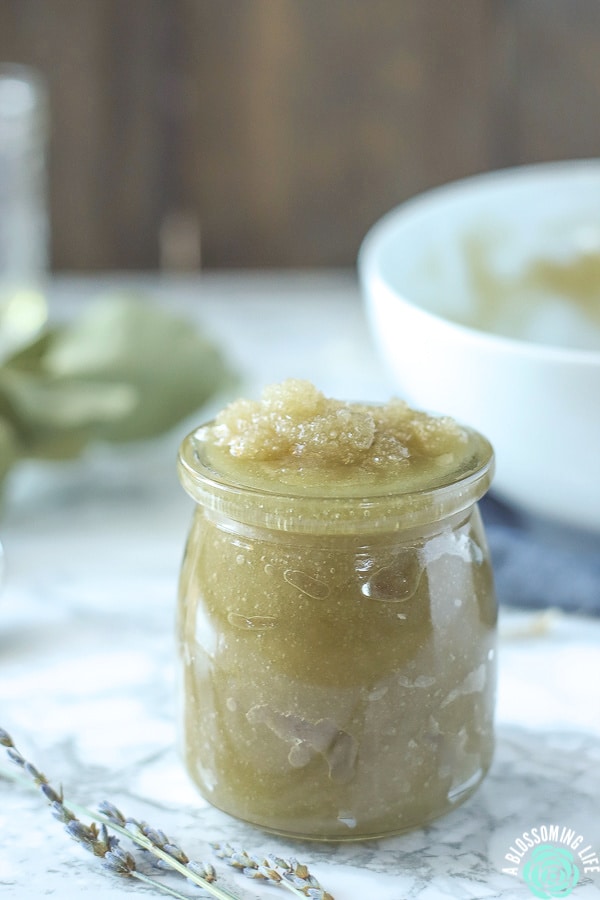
[{"x": 87, "y": 685}]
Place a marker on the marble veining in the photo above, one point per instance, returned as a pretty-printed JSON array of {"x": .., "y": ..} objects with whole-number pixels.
[{"x": 88, "y": 691}]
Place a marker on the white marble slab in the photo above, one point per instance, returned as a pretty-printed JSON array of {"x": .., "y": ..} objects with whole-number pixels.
[{"x": 87, "y": 683}]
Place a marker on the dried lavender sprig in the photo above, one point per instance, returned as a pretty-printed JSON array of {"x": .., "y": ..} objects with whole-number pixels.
[
  {"x": 297, "y": 874},
  {"x": 193, "y": 869},
  {"x": 293, "y": 875},
  {"x": 96, "y": 840},
  {"x": 248, "y": 865}
]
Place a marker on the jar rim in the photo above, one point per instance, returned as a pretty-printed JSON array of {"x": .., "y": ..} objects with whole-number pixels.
[{"x": 330, "y": 513}]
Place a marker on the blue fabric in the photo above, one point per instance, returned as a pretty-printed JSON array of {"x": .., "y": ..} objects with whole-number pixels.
[{"x": 539, "y": 565}]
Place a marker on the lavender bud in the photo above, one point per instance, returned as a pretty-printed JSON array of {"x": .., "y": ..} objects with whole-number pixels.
[
  {"x": 204, "y": 870},
  {"x": 176, "y": 852},
  {"x": 111, "y": 812},
  {"x": 50, "y": 794},
  {"x": 15, "y": 756},
  {"x": 61, "y": 812},
  {"x": 119, "y": 861}
]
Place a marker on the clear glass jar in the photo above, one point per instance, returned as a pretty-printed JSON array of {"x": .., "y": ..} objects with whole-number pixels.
[{"x": 337, "y": 653}]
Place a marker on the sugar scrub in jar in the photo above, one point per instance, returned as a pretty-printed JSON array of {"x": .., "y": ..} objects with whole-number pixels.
[{"x": 337, "y": 616}]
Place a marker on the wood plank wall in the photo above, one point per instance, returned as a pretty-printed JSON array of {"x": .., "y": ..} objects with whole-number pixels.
[{"x": 279, "y": 130}]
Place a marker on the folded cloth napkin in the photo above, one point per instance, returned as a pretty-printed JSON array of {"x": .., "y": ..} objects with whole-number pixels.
[{"x": 539, "y": 565}]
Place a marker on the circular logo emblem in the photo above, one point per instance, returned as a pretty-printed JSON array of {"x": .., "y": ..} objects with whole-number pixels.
[{"x": 550, "y": 872}]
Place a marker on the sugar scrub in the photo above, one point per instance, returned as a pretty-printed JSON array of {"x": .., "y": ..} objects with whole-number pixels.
[{"x": 336, "y": 614}]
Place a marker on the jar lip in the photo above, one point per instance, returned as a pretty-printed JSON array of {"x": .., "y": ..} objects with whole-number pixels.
[{"x": 284, "y": 508}]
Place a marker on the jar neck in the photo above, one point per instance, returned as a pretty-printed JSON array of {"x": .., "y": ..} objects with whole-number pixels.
[
  {"x": 336, "y": 540},
  {"x": 390, "y": 511}
]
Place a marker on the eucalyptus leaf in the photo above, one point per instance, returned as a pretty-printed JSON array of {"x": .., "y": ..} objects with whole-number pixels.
[
  {"x": 169, "y": 365},
  {"x": 54, "y": 419},
  {"x": 48, "y": 444},
  {"x": 30, "y": 357},
  {"x": 124, "y": 370},
  {"x": 63, "y": 403},
  {"x": 41, "y": 414},
  {"x": 8, "y": 446},
  {"x": 23, "y": 313}
]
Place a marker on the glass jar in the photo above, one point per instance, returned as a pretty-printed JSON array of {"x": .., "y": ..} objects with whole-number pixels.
[{"x": 337, "y": 652}]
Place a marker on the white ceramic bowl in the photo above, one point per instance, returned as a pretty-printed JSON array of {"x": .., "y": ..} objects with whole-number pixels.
[{"x": 460, "y": 288}]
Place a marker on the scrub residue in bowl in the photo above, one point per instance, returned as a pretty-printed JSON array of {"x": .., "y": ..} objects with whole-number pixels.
[{"x": 551, "y": 299}]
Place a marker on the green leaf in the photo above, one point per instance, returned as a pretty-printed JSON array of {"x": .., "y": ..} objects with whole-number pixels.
[
  {"x": 169, "y": 368},
  {"x": 55, "y": 418},
  {"x": 63, "y": 403},
  {"x": 29, "y": 358},
  {"x": 8, "y": 447},
  {"x": 23, "y": 313},
  {"x": 124, "y": 370}
]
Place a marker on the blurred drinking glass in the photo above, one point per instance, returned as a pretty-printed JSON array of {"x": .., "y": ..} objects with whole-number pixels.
[{"x": 23, "y": 209}]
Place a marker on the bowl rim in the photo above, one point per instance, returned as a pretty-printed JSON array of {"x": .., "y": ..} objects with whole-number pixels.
[{"x": 370, "y": 273}]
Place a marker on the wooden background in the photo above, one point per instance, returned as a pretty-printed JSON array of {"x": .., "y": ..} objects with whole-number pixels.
[{"x": 279, "y": 130}]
